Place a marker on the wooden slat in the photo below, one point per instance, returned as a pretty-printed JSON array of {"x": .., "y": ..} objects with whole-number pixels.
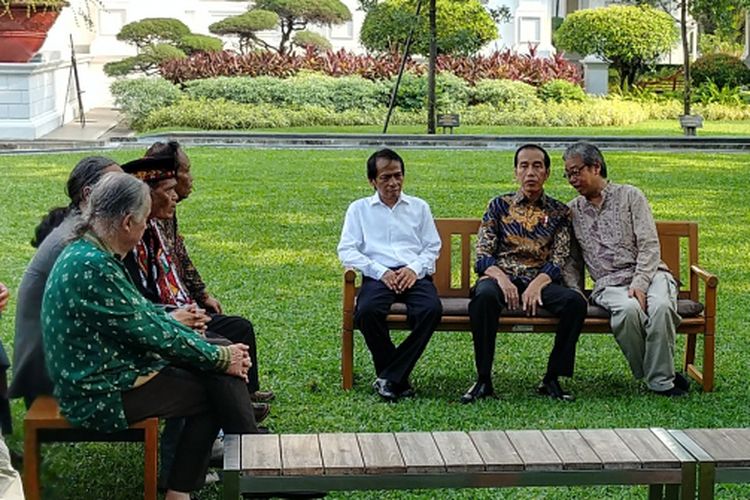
[
  {"x": 725, "y": 447},
  {"x": 380, "y": 453},
  {"x": 300, "y": 455},
  {"x": 421, "y": 454},
  {"x": 496, "y": 450},
  {"x": 341, "y": 454},
  {"x": 573, "y": 450},
  {"x": 535, "y": 450},
  {"x": 261, "y": 454},
  {"x": 613, "y": 452},
  {"x": 651, "y": 452},
  {"x": 458, "y": 452}
]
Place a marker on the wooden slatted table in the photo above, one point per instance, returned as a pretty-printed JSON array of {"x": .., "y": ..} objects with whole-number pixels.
[
  {"x": 723, "y": 456},
  {"x": 478, "y": 459}
]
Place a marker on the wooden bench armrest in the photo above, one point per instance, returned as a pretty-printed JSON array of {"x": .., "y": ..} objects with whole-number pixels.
[
  {"x": 350, "y": 275},
  {"x": 711, "y": 280}
]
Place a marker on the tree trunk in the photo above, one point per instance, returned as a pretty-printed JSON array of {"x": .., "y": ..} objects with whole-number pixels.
[
  {"x": 431, "y": 70},
  {"x": 686, "y": 54}
]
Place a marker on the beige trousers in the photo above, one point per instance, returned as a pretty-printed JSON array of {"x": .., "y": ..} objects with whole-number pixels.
[
  {"x": 645, "y": 338},
  {"x": 11, "y": 487}
]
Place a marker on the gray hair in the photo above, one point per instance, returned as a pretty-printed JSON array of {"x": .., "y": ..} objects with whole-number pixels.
[
  {"x": 588, "y": 153},
  {"x": 115, "y": 196}
]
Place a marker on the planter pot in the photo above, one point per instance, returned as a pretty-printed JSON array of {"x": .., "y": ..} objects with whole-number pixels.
[{"x": 22, "y": 32}]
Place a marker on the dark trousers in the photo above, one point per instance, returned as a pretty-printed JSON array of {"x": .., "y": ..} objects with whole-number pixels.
[
  {"x": 239, "y": 331},
  {"x": 486, "y": 304},
  {"x": 423, "y": 313},
  {"x": 209, "y": 401}
]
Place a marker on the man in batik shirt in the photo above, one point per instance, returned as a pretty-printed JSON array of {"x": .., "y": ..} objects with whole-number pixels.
[{"x": 523, "y": 242}]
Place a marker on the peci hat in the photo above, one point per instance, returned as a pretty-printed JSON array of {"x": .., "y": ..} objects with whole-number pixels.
[{"x": 153, "y": 168}]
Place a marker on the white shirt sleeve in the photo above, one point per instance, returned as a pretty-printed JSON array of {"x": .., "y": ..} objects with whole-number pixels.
[
  {"x": 352, "y": 240},
  {"x": 424, "y": 264}
]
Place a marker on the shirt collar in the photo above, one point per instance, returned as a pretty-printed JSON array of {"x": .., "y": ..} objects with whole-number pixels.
[
  {"x": 375, "y": 199},
  {"x": 520, "y": 198}
]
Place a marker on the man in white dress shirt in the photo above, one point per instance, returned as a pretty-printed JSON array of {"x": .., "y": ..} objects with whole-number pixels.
[{"x": 392, "y": 240}]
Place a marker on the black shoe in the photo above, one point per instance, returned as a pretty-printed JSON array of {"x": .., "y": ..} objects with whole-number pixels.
[
  {"x": 385, "y": 389},
  {"x": 262, "y": 396},
  {"x": 405, "y": 390},
  {"x": 261, "y": 411},
  {"x": 478, "y": 391},
  {"x": 552, "y": 389},
  {"x": 674, "y": 392},
  {"x": 681, "y": 382}
]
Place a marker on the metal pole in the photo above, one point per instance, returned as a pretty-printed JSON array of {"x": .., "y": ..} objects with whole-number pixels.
[
  {"x": 686, "y": 53},
  {"x": 407, "y": 47},
  {"x": 431, "y": 69}
]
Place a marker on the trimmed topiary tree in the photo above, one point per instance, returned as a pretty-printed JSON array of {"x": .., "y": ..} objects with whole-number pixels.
[
  {"x": 629, "y": 36},
  {"x": 309, "y": 39},
  {"x": 463, "y": 27},
  {"x": 192, "y": 43},
  {"x": 245, "y": 27},
  {"x": 147, "y": 62},
  {"x": 153, "y": 30},
  {"x": 295, "y": 15}
]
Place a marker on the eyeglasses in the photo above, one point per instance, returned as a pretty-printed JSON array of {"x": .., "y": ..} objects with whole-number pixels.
[
  {"x": 573, "y": 172},
  {"x": 387, "y": 177}
]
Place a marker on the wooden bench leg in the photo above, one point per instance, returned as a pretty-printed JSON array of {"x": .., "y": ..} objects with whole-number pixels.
[
  {"x": 31, "y": 464},
  {"x": 150, "y": 452},
  {"x": 708, "y": 362},
  {"x": 347, "y": 359},
  {"x": 690, "y": 345}
]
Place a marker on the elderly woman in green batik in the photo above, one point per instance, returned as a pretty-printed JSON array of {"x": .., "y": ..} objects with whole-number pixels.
[{"x": 115, "y": 358}]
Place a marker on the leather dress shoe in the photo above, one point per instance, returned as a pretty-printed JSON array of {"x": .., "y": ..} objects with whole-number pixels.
[
  {"x": 674, "y": 392},
  {"x": 681, "y": 382},
  {"x": 262, "y": 396},
  {"x": 405, "y": 390},
  {"x": 385, "y": 389},
  {"x": 261, "y": 411},
  {"x": 478, "y": 391},
  {"x": 552, "y": 389}
]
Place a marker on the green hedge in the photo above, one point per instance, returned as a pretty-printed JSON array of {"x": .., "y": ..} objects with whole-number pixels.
[
  {"x": 505, "y": 94},
  {"x": 722, "y": 69},
  {"x": 139, "y": 97}
]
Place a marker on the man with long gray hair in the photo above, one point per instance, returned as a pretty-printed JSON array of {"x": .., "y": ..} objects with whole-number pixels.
[{"x": 617, "y": 237}]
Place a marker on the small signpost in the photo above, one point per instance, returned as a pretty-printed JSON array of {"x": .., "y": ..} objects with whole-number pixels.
[{"x": 448, "y": 120}]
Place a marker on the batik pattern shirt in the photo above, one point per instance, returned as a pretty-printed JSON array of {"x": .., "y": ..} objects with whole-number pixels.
[
  {"x": 100, "y": 334},
  {"x": 524, "y": 238},
  {"x": 175, "y": 243},
  {"x": 618, "y": 239}
]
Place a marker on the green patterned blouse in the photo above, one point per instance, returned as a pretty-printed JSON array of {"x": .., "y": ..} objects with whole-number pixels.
[{"x": 100, "y": 334}]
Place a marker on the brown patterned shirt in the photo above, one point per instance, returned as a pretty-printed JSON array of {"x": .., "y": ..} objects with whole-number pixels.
[
  {"x": 618, "y": 240},
  {"x": 524, "y": 238}
]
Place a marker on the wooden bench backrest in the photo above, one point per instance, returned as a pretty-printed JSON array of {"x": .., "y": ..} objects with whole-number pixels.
[{"x": 454, "y": 271}]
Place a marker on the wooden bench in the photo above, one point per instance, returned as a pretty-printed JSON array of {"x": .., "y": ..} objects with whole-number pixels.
[
  {"x": 44, "y": 424},
  {"x": 256, "y": 463},
  {"x": 723, "y": 456},
  {"x": 454, "y": 276}
]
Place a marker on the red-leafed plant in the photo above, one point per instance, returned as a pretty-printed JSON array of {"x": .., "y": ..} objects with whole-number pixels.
[{"x": 528, "y": 68}]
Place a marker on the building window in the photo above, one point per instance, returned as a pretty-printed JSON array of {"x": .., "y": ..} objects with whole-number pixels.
[
  {"x": 111, "y": 21},
  {"x": 529, "y": 30},
  {"x": 342, "y": 31}
]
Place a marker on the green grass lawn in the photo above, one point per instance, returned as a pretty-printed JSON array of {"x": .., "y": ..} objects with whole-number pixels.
[
  {"x": 263, "y": 226},
  {"x": 669, "y": 128}
]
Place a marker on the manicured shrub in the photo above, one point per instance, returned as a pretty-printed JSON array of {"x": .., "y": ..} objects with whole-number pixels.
[
  {"x": 722, "y": 69},
  {"x": 311, "y": 39},
  {"x": 505, "y": 94},
  {"x": 153, "y": 30},
  {"x": 450, "y": 92},
  {"x": 716, "y": 111},
  {"x": 139, "y": 97},
  {"x": 193, "y": 43},
  {"x": 339, "y": 94},
  {"x": 560, "y": 91},
  {"x": 244, "y": 26},
  {"x": 148, "y": 61}
]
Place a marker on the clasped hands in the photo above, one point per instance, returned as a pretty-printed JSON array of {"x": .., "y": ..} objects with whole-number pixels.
[
  {"x": 239, "y": 361},
  {"x": 529, "y": 299},
  {"x": 399, "y": 280},
  {"x": 193, "y": 317}
]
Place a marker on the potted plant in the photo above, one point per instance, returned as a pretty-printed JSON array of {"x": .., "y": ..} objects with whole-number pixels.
[{"x": 24, "y": 25}]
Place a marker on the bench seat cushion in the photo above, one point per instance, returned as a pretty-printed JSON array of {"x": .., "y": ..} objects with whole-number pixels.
[{"x": 458, "y": 306}]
